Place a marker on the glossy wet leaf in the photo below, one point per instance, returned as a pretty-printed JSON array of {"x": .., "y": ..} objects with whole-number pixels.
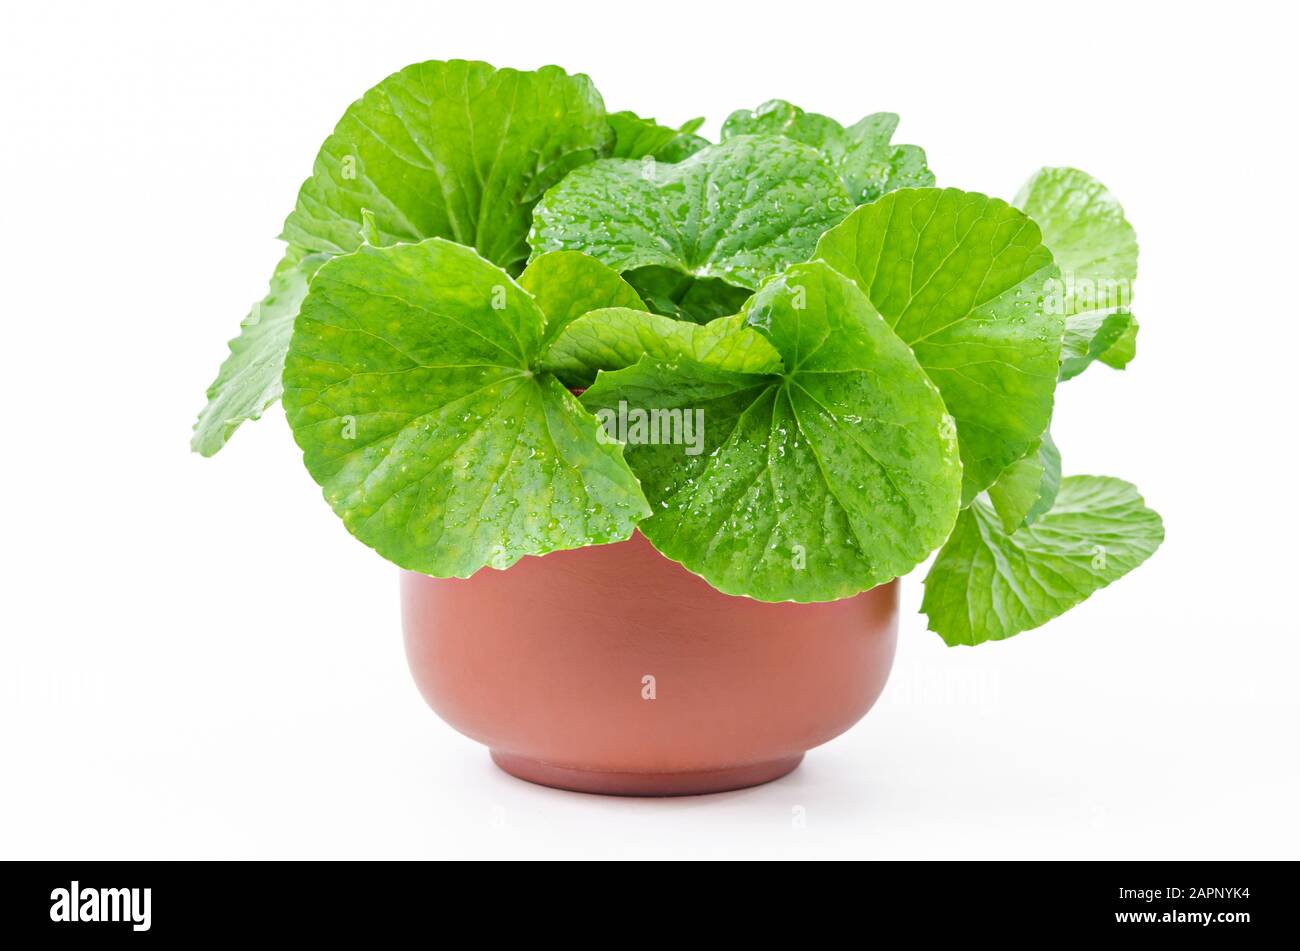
[
  {"x": 1097, "y": 252},
  {"x": 862, "y": 154},
  {"x": 248, "y": 382},
  {"x": 453, "y": 149},
  {"x": 617, "y": 338},
  {"x": 568, "y": 284},
  {"x": 986, "y": 584},
  {"x": 1028, "y": 487},
  {"x": 738, "y": 212},
  {"x": 410, "y": 386},
  {"x": 961, "y": 278},
  {"x": 810, "y": 485}
]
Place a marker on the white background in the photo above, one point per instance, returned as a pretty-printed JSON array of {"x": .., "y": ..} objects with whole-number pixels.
[{"x": 197, "y": 661}]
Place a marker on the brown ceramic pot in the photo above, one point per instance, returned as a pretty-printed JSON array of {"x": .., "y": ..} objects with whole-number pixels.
[{"x": 614, "y": 670}]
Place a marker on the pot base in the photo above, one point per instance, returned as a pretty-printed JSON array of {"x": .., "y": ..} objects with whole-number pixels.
[{"x": 645, "y": 784}]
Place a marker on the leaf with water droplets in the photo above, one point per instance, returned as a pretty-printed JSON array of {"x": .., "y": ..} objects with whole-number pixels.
[
  {"x": 453, "y": 149},
  {"x": 962, "y": 278},
  {"x": 1096, "y": 249},
  {"x": 987, "y": 584},
  {"x": 812, "y": 484},
  {"x": 410, "y": 386},
  {"x": 440, "y": 149},
  {"x": 862, "y": 154},
  {"x": 738, "y": 212}
]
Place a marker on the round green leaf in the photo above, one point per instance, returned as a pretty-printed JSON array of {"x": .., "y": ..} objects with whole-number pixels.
[
  {"x": 1096, "y": 249},
  {"x": 440, "y": 149},
  {"x": 987, "y": 585},
  {"x": 961, "y": 278},
  {"x": 410, "y": 386},
  {"x": 862, "y": 153},
  {"x": 453, "y": 149},
  {"x": 812, "y": 484},
  {"x": 1093, "y": 244},
  {"x": 739, "y": 211}
]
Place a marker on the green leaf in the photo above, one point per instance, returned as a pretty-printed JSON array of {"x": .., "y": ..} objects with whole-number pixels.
[
  {"x": 451, "y": 149},
  {"x": 988, "y": 585},
  {"x": 1091, "y": 240},
  {"x": 616, "y": 338},
  {"x": 410, "y": 386},
  {"x": 961, "y": 278},
  {"x": 567, "y": 284},
  {"x": 677, "y": 295},
  {"x": 738, "y": 212},
  {"x": 370, "y": 229},
  {"x": 1028, "y": 487},
  {"x": 248, "y": 382},
  {"x": 1119, "y": 353},
  {"x": 810, "y": 485},
  {"x": 681, "y": 147},
  {"x": 635, "y": 137},
  {"x": 456, "y": 150},
  {"x": 862, "y": 154},
  {"x": 1097, "y": 252},
  {"x": 1109, "y": 336}
]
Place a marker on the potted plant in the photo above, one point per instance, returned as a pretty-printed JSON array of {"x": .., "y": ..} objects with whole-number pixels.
[{"x": 653, "y": 424}]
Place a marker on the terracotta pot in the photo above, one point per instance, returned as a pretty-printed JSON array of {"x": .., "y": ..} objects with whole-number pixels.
[{"x": 614, "y": 670}]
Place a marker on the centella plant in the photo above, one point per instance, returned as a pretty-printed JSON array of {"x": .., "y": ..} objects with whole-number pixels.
[{"x": 487, "y": 272}]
